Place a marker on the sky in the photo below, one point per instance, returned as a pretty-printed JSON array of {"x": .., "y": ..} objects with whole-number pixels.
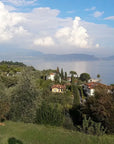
[{"x": 58, "y": 26}]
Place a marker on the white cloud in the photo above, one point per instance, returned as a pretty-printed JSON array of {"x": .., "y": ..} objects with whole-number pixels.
[
  {"x": 90, "y": 9},
  {"x": 109, "y": 18},
  {"x": 42, "y": 29},
  {"x": 98, "y": 14},
  {"x": 75, "y": 35},
  {"x": 9, "y": 24},
  {"x": 20, "y": 2},
  {"x": 10, "y": 8},
  {"x": 46, "y": 41}
]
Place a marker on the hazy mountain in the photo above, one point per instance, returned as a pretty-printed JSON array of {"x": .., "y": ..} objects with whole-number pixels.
[
  {"x": 27, "y": 54},
  {"x": 109, "y": 58},
  {"x": 68, "y": 57}
]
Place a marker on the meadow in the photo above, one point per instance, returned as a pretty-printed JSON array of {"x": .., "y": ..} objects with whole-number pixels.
[{"x": 21, "y": 133}]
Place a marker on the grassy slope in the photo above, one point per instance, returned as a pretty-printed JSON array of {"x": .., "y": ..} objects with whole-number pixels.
[{"x": 39, "y": 134}]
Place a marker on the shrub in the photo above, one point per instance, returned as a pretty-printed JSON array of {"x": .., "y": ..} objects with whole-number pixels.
[
  {"x": 91, "y": 127},
  {"x": 50, "y": 114}
]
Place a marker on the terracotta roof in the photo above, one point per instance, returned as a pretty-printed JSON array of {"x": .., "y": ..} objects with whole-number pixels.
[
  {"x": 52, "y": 73},
  {"x": 59, "y": 86},
  {"x": 93, "y": 85}
]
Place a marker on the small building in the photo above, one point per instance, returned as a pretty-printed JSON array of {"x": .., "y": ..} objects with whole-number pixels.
[
  {"x": 51, "y": 76},
  {"x": 89, "y": 88},
  {"x": 94, "y": 80},
  {"x": 58, "y": 88},
  {"x": 69, "y": 78}
]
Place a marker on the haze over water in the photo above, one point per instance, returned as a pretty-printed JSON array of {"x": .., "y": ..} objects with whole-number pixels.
[{"x": 104, "y": 68}]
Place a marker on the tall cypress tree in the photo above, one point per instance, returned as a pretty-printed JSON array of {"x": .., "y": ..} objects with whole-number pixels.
[
  {"x": 66, "y": 76},
  {"x": 62, "y": 74}
]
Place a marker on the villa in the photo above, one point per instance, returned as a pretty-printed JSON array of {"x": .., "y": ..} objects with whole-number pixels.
[{"x": 58, "y": 88}]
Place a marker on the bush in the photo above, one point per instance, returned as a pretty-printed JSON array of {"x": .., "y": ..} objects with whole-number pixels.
[
  {"x": 91, "y": 127},
  {"x": 68, "y": 123},
  {"x": 50, "y": 114}
]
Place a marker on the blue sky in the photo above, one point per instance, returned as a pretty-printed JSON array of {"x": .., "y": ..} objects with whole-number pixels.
[{"x": 58, "y": 26}]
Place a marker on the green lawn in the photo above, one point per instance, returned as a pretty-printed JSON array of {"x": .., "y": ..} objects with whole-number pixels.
[{"x": 40, "y": 134}]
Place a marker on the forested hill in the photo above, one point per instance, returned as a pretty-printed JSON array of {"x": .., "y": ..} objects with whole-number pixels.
[{"x": 9, "y": 63}]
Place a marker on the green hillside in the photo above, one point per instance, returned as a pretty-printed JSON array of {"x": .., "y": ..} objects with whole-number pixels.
[{"x": 40, "y": 134}]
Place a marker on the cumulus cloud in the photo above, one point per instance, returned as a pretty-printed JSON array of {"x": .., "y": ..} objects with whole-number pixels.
[
  {"x": 109, "y": 18},
  {"x": 42, "y": 29},
  {"x": 46, "y": 41},
  {"x": 75, "y": 35},
  {"x": 90, "y": 9},
  {"x": 98, "y": 14},
  {"x": 9, "y": 24}
]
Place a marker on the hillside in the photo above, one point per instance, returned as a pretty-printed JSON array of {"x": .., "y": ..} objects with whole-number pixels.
[{"x": 40, "y": 134}]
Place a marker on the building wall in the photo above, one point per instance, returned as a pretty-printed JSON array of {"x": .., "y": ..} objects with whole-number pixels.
[
  {"x": 57, "y": 90},
  {"x": 51, "y": 77}
]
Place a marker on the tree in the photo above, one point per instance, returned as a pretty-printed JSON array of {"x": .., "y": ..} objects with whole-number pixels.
[
  {"x": 62, "y": 74},
  {"x": 73, "y": 73},
  {"x": 98, "y": 75},
  {"x": 76, "y": 95},
  {"x": 72, "y": 79},
  {"x": 57, "y": 70},
  {"x": 4, "y": 102},
  {"x": 50, "y": 113},
  {"x": 24, "y": 99},
  {"x": 84, "y": 77},
  {"x": 101, "y": 108},
  {"x": 66, "y": 76}
]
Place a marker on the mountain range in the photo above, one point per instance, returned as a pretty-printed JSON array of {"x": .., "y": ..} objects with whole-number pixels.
[{"x": 22, "y": 54}]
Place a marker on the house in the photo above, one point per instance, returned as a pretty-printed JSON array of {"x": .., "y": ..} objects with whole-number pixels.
[
  {"x": 89, "y": 88},
  {"x": 58, "y": 88},
  {"x": 51, "y": 76},
  {"x": 94, "y": 80},
  {"x": 69, "y": 78}
]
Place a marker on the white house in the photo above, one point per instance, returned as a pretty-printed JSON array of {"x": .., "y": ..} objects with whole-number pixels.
[
  {"x": 89, "y": 88},
  {"x": 51, "y": 76},
  {"x": 94, "y": 80}
]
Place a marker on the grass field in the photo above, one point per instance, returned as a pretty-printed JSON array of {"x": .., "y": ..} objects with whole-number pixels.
[{"x": 40, "y": 134}]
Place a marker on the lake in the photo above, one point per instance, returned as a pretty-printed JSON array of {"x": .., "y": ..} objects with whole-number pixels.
[{"x": 104, "y": 68}]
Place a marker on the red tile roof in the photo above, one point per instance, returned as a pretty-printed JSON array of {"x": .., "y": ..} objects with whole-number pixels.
[
  {"x": 93, "y": 85},
  {"x": 59, "y": 86}
]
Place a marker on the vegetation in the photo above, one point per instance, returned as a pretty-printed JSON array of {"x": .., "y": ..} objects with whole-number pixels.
[
  {"x": 26, "y": 96},
  {"x": 85, "y": 77},
  {"x": 40, "y": 134}
]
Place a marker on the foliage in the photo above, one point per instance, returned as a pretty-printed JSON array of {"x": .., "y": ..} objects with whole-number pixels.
[
  {"x": 76, "y": 115},
  {"x": 84, "y": 77},
  {"x": 4, "y": 103},
  {"x": 57, "y": 78},
  {"x": 73, "y": 73},
  {"x": 91, "y": 127},
  {"x": 101, "y": 108},
  {"x": 50, "y": 114},
  {"x": 65, "y": 99},
  {"x": 13, "y": 140},
  {"x": 68, "y": 123},
  {"x": 9, "y": 81},
  {"x": 98, "y": 75},
  {"x": 72, "y": 79},
  {"x": 66, "y": 76},
  {"x": 62, "y": 74},
  {"x": 12, "y": 63},
  {"x": 24, "y": 99},
  {"x": 76, "y": 95}
]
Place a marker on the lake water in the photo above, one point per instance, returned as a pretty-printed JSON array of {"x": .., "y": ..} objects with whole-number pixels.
[{"x": 104, "y": 68}]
